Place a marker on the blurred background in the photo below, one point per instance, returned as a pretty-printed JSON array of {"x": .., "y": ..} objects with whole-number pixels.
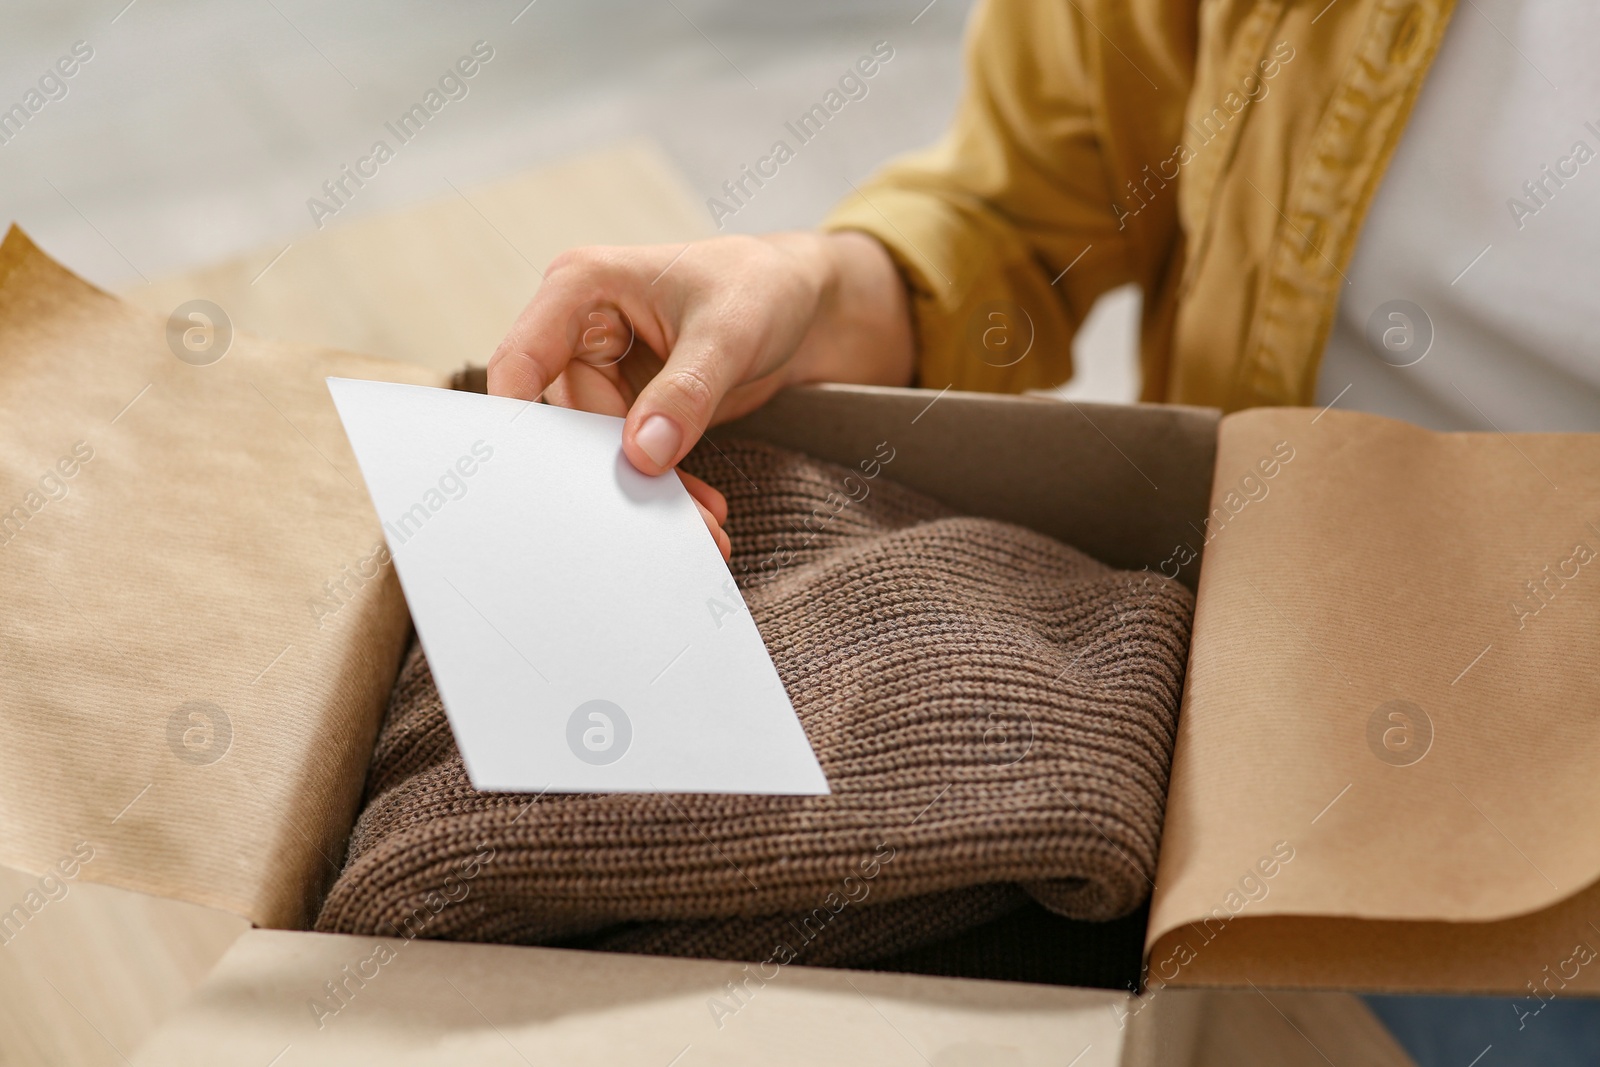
[{"x": 198, "y": 132}]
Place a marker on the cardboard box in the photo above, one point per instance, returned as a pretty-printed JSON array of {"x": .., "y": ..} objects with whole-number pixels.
[
  {"x": 259, "y": 999},
  {"x": 1362, "y": 566},
  {"x": 207, "y": 747}
]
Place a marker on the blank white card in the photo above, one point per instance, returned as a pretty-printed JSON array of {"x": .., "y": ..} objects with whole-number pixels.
[{"x": 583, "y": 630}]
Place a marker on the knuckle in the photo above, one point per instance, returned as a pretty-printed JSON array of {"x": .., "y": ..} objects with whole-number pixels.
[
  {"x": 582, "y": 269},
  {"x": 741, "y": 245},
  {"x": 503, "y": 351},
  {"x": 690, "y": 395},
  {"x": 570, "y": 260},
  {"x": 589, "y": 263}
]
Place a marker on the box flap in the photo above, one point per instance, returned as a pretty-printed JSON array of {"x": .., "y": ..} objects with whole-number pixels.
[
  {"x": 201, "y": 632},
  {"x": 338, "y": 1000},
  {"x": 1384, "y": 774}
]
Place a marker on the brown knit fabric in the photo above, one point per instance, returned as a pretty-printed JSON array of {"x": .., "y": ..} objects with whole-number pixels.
[{"x": 994, "y": 711}]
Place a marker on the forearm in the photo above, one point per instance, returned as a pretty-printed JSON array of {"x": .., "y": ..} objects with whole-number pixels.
[{"x": 861, "y": 331}]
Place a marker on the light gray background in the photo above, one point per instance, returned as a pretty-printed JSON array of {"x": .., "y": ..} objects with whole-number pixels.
[{"x": 199, "y": 130}]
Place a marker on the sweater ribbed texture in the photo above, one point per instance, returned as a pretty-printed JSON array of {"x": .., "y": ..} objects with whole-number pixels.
[{"x": 994, "y": 711}]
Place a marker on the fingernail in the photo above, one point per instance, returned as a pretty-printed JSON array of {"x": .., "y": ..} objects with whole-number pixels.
[{"x": 659, "y": 439}]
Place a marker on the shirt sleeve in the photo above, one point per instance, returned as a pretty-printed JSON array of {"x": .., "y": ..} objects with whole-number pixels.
[{"x": 1004, "y": 230}]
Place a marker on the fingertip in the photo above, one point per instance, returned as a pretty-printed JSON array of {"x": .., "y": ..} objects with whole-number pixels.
[
  {"x": 718, "y": 504},
  {"x": 514, "y": 373},
  {"x": 706, "y": 495},
  {"x": 641, "y": 462},
  {"x": 654, "y": 444}
]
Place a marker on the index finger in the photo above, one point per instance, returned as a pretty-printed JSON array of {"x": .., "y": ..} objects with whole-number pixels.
[{"x": 577, "y": 310}]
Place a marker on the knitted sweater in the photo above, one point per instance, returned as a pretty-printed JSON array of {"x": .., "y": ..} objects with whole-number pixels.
[{"x": 994, "y": 710}]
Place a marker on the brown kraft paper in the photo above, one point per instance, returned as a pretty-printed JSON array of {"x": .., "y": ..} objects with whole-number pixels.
[
  {"x": 198, "y": 636},
  {"x": 1384, "y": 773}
]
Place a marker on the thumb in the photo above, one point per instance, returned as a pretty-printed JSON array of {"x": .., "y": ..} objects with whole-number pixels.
[{"x": 677, "y": 405}]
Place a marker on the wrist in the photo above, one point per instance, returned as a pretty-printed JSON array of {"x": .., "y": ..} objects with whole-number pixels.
[{"x": 860, "y": 330}]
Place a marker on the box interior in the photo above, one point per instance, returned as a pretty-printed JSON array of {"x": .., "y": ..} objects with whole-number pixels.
[{"x": 1124, "y": 483}]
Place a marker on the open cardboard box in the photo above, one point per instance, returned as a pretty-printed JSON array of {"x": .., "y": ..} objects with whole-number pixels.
[{"x": 1382, "y": 776}]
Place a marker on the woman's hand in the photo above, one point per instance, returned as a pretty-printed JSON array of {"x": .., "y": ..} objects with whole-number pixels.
[{"x": 738, "y": 318}]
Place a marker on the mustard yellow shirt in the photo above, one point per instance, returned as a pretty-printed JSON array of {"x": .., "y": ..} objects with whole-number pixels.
[{"x": 1220, "y": 154}]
